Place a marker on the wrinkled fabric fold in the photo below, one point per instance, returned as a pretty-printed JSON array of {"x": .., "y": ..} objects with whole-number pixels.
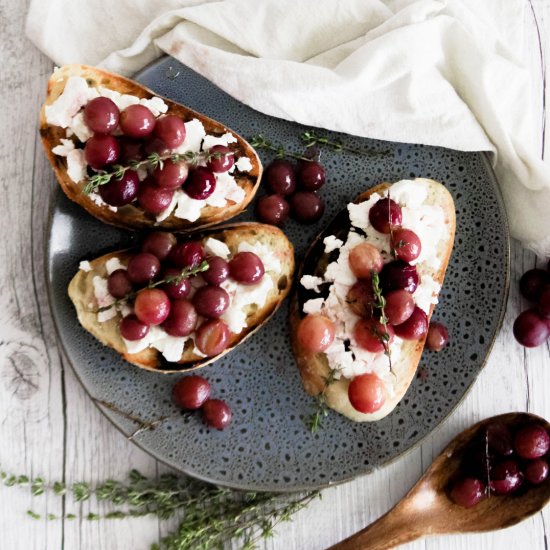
[{"x": 439, "y": 72}]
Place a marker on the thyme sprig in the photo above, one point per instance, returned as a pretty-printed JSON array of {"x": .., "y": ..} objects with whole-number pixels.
[
  {"x": 379, "y": 303},
  {"x": 310, "y": 138},
  {"x": 186, "y": 272},
  {"x": 212, "y": 515},
  {"x": 154, "y": 160},
  {"x": 260, "y": 142},
  {"x": 315, "y": 421}
]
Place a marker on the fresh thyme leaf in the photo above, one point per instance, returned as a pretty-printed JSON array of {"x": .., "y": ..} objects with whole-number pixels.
[
  {"x": 311, "y": 139},
  {"x": 315, "y": 420}
]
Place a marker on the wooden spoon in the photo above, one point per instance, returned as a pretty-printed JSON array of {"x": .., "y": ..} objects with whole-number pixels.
[{"x": 428, "y": 510}]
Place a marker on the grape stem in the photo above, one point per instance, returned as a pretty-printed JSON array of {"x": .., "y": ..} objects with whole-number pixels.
[
  {"x": 260, "y": 142},
  {"x": 310, "y": 139},
  {"x": 186, "y": 272},
  {"x": 142, "y": 424},
  {"x": 380, "y": 303},
  {"x": 154, "y": 160}
]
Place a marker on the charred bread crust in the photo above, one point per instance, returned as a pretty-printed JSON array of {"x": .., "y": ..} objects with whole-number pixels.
[
  {"x": 82, "y": 294},
  {"x": 130, "y": 216},
  {"x": 314, "y": 367}
]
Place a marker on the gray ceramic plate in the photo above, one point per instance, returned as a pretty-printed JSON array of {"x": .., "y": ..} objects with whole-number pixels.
[{"x": 268, "y": 447}]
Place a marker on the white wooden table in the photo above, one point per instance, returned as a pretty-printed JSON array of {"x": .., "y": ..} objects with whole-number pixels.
[{"x": 49, "y": 426}]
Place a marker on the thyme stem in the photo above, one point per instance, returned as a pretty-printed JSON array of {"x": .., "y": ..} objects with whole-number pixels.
[
  {"x": 185, "y": 274},
  {"x": 380, "y": 303},
  {"x": 310, "y": 138},
  {"x": 211, "y": 516},
  {"x": 260, "y": 142},
  {"x": 154, "y": 160},
  {"x": 315, "y": 420}
]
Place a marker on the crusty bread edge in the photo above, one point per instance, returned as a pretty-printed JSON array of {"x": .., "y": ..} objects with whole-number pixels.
[
  {"x": 314, "y": 368},
  {"x": 81, "y": 294},
  {"x": 129, "y": 216}
]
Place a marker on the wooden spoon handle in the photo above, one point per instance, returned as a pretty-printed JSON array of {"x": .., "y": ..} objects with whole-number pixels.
[{"x": 387, "y": 532}]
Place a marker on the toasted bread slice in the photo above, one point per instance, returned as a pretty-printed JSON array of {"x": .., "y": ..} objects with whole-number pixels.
[
  {"x": 314, "y": 368},
  {"x": 81, "y": 292},
  {"x": 131, "y": 216}
]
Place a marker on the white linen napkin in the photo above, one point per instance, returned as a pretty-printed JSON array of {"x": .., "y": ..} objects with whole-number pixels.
[{"x": 438, "y": 72}]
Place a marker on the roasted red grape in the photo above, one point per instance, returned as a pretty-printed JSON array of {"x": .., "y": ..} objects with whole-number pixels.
[
  {"x": 175, "y": 291},
  {"x": 170, "y": 129},
  {"x": 119, "y": 284},
  {"x": 406, "y": 244},
  {"x": 399, "y": 306},
  {"x": 467, "y": 492},
  {"x": 272, "y": 209},
  {"x": 315, "y": 333},
  {"x": 544, "y": 302},
  {"x": 131, "y": 328},
  {"x": 415, "y": 327},
  {"x": 119, "y": 192},
  {"x": 211, "y": 301},
  {"x": 152, "y": 198},
  {"x": 143, "y": 267},
  {"x": 101, "y": 150},
  {"x": 216, "y": 414},
  {"x": 182, "y": 318},
  {"x": 172, "y": 174},
  {"x": 360, "y": 298},
  {"x": 222, "y": 158},
  {"x": 200, "y": 183},
  {"x": 399, "y": 275},
  {"x": 101, "y": 115},
  {"x": 364, "y": 260},
  {"x": 246, "y": 268},
  {"x": 373, "y": 335},
  {"x": 384, "y": 214},
  {"x": 438, "y": 336},
  {"x": 532, "y": 283},
  {"x": 137, "y": 121},
  {"x": 536, "y": 471},
  {"x": 159, "y": 243},
  {"x": 311, "y": 175},
  {"x": 506, "y": 477},
  {"x": 130, "y": 150},
  {"x": 499, "y": 439},
  {"x": 280, "y": 178},
  {"x": 189, "y": 254},
  {"x": 152, "y": 306},
  {"x": 155, "y": 145},
  {"x": 367, "y": 393},
  {"x": 212, "y": 337},
  {"x": 532, "y": 441},
  {"x": 191, "y": 392},
  {"x": 217, "y": 272},
  {"x": 530, "y": 329},
  {"x": 306, "y": 207}
]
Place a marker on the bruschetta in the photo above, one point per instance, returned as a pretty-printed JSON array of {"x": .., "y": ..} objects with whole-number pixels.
[
  {"x": 179, "y": 304},
  {"x": 136, "y": 160},
  {"x": 367, "y": 289}
]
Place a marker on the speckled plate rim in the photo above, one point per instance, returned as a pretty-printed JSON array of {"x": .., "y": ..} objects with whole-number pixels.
[{"x": 112, "y": 416}]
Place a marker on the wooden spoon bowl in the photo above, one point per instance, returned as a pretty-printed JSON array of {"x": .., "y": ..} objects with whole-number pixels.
[{"x": 427, "y": 509}]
